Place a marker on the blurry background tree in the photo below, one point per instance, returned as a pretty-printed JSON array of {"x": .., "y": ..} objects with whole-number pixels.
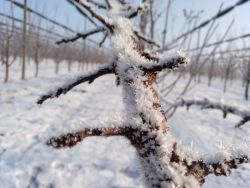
[{"x": 9, "y": 44}]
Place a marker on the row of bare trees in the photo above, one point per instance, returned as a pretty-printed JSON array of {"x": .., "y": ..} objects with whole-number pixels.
[
  {"x": 225, "y": 58},
  {"x": 40, "y": 45},
  {"x": 39, "y": 49},
  {"x": 208, "y": 57}
]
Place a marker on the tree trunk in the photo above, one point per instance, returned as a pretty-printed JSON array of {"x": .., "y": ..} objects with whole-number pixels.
[
  {"x": 247, "y": 89},
  {"x": 225, "y": 84},
  {"x": 210, "y": 74},
  {"x": 150, "y": 131},
  {"x": 6, "y": 77},
  {"x": 37, "y": 69},
  {"x": 226, "y": 78},
  {"x": 24, "y": 40},
  {"x": 7, "y": 56},
  {"x": 247, "y": 81}
]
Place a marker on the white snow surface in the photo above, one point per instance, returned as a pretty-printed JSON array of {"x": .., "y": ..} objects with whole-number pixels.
[{"x": 26, "y": 161}]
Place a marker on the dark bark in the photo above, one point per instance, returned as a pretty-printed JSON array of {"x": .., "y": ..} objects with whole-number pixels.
[
  {"x": 247, "y": 81},
  {"x": 36, "y": 69},
  {"x": 6, "y": 77},
  {"x": 247, "y": 89}
]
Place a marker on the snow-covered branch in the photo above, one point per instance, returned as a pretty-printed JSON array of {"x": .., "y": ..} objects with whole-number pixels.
[
  {"x": 90, "y": 77},
  {"x": 206, "y": 104},
  {"x": 134, "y": 11},
  {"x": 200, "y": 169},
  {"x": 71, "y": 139},
  {"x": 81, "y": 35},
  {"x": 220, "y": 165},
  {"x": 165, "y": 63}
]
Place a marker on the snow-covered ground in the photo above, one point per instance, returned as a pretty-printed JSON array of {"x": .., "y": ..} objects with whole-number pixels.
[{"x": 26, "y": 161}]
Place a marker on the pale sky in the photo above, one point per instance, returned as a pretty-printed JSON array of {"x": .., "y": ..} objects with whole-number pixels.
[{"x": 61, "y": 11}]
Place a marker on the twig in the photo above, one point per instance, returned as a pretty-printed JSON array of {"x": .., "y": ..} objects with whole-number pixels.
[
  {"x": 81, "y": 35},
  {"x": 98, "y": 5},
  {"x": 95, "y": 15},
  {"x": 81, "y": 11},
  {"x": 200, "y": 169},
  {"x": 109, "y": 69},
  {"x": 171, "y": 63},
  {"x": 103, "y": 40},
  {"x": 108, "y": 4},
  {"x": 135, "y": 12},
  {"x": 206, "y": 104},
  {"x": 71, "y": 139},
  {"x": 146, "y": 39},
  {"x": 150, "y": 56},
  {"x": 223, "y": 41},
  {"x": 215, "y": 17}
]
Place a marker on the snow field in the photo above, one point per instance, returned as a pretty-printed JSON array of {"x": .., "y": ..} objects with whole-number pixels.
[{"x": 26, "y": 161}]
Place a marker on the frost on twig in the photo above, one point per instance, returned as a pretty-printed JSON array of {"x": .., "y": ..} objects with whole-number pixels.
[
  {"x": 68, "y": 85},
  {"x": 186, "y": 164},
  {"x": 200, "y": 169},
  {"x": 207, "y": 104},
  {"x": 127, "y": 11},
  {"x": 71, "y": 139},
  {"x": 166, "y": 63}
]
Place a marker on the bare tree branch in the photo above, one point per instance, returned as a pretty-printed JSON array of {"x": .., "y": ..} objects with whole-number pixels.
[
  {"x": 213, "y": 18},
  {"x": 90, "y": 77},
  {"x": 150, "y": 56},
  {"x": 81, "y": 35},
  {"x": 135, "y": 12},
  {"x": 81, "y": 11},
  {"x": 108, "y": 4},
  {"x": 71, "y": 139},
  {"x": 97, "y": 4},
  {"x": 223, "y": 41},
  {"x": 104, "y": 39},
  {"x": 206, "y": 104},
  {"x": 169, "y": 63},
  {"x": 99, "y": 17},
  {"x": 200, "y": 169},
  {"x": 146, "y": 39}
]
